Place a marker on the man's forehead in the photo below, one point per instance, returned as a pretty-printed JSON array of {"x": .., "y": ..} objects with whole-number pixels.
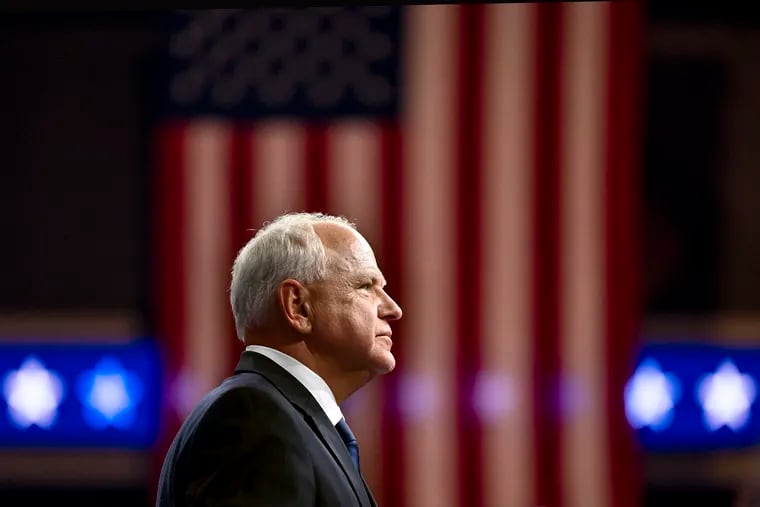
[
  {"x": 334, "y": 236},
  {"x": 343, "y": 240}
]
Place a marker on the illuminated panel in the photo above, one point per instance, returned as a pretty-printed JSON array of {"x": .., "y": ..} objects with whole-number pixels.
[
  {"x": 79, "y": 395},
  {"x": 685, "y": 397}
]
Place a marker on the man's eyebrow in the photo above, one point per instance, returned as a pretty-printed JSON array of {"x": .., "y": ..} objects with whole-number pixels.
[{"x": 374, "y": 275}]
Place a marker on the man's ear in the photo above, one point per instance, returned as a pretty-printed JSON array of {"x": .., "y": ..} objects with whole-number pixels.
[{"x": 293, "y": 299}]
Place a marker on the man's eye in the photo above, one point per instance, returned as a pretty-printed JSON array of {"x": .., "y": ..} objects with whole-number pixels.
[{"x": 366, "y": 286}]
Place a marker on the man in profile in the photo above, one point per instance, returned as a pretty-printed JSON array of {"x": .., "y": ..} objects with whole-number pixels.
[{"x": 310, "y": 305}]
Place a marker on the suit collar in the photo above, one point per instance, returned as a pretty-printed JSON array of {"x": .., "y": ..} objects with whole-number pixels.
[
  {"x": 300, "y": 397},
  {"x": 313, "y": 382},
  {"x": 286, "y": 383}
]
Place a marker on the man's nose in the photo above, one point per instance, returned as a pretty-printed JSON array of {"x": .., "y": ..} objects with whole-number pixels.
[{"x": 390, "y": 310}]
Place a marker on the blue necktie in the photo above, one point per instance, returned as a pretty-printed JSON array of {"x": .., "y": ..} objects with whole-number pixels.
[{"x": 350, "y": 440}]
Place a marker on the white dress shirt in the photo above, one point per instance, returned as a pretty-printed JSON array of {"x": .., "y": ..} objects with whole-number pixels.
[{"x": 310, "y": 380}]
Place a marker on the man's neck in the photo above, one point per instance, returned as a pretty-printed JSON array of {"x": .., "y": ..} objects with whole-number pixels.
[{"x": 341, "y": 384}]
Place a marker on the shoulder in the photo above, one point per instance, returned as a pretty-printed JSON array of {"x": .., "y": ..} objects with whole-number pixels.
[
  {"x": 248, "y": 394},
  {"x": 245, "y": 403},
  {"x": 245, "y": 395},
  {"x": 241, "y": 437},
  {"x": 244, "y": 412}
]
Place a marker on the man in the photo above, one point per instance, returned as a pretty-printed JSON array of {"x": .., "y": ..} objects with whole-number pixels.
[{"x": 310, "y": 306}]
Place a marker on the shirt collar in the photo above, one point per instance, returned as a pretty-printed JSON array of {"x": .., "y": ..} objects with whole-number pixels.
[{"x": 310, "y": 380}]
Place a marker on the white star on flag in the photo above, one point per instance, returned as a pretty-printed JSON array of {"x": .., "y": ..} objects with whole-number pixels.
[
  {"x": 33, "y": 394},
  {"x": 726, "y": 397}
]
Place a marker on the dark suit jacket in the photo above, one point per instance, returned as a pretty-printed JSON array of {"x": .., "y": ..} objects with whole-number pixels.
[{"x": 260, "y": 439}]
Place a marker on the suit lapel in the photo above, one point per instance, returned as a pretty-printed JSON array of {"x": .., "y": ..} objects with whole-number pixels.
[
  {"x": 369, "y": 493},
  {"x": 299, "y": 396},
  {"x": 329, "y": 436}
]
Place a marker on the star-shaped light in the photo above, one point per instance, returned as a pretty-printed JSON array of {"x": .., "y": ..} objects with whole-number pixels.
[
  {"x": 726, "y": 397},
  {"x": 650, "y": 396},
  {"x": 33, "y": 394},
  {"x": 109, "y": 395}
]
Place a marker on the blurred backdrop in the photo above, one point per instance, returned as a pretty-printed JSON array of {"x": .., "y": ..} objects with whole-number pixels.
[{"x": 563, "y": 198}]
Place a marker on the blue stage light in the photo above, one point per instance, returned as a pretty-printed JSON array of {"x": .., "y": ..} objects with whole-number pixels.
[
  {"x": 109, "y": 394},
  {"x": 80, "y": 395},
  {"x": 716, "y": 407},
  {"x": 650, "y": 396},
  {"x": 726, "y": 397},
  {"x": 33, "y": 394}
]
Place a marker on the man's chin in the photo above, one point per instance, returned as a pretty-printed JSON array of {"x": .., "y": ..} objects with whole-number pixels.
[{"x": 387, "y": 365}]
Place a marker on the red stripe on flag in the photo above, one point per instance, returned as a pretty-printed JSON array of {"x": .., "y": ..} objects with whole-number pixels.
[
  {"x": 468, "y": 229},
  {"x": 242, "y": 191},
  {"x": 246, "y": 181},
  {"x": 240, "y": 157},
  {"x": 169, "y": 201},
  {"x": 392, "y": 201},
  {"x": 316, "y": 169},
  {"x": 621, "y": 231},
  {"x": 546, "y": 208}
]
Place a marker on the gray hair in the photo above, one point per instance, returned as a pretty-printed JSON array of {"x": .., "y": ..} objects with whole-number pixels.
[{"x": 287, "y": 247}]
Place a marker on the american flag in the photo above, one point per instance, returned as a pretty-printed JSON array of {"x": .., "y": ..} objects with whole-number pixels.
[{"x": 490, "y": 154}]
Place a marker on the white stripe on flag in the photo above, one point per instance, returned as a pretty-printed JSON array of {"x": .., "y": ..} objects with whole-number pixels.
[
  {"x": 279, "y": 168},
  {"x": 585, "y": 466},
  {"x": 354, "y": 190},
  {"x": 206, "y": 239},
  {"x": 354, "y": 186},
  {"x": 429, "y": 384},
  {"x": 506, "y": 389}
]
